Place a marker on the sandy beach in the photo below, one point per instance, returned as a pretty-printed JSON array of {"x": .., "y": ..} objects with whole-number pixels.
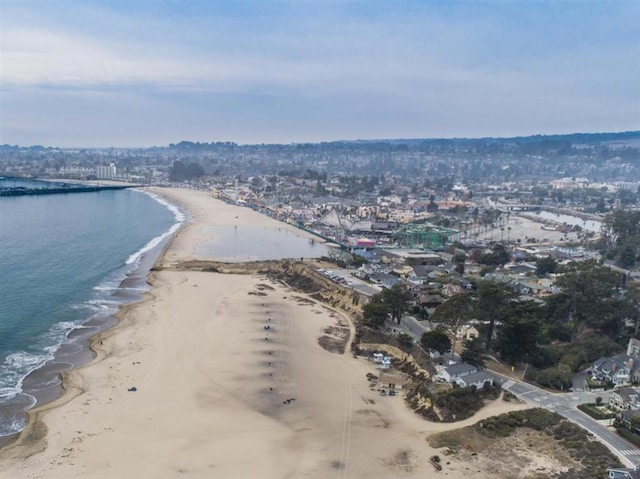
[{"x": 221, "y": 376}]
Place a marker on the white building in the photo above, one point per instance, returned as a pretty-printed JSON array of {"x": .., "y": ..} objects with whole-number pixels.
[{"x": 106, "y": 172}]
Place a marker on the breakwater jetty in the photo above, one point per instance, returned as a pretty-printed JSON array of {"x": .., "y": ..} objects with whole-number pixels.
[{"x": 64, "y": 188}]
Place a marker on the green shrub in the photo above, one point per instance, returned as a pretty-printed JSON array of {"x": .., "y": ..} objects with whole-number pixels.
[
  {"x": 628, "y": 435},
  {"x": 555, "y": 378},
  {"x": 594, "y": 412}
]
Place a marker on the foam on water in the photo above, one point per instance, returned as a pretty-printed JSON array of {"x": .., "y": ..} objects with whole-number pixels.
[
  {"x": 17, "y": 366},
  {"x": 109, "y": 288},
  {"x": 13, "y": 424},
  {"x": 179, "y": 218},
  {"x": 152, "y": 244},
  {"x": 20, "y": 363},
  {"x": 177, "y": 214}
]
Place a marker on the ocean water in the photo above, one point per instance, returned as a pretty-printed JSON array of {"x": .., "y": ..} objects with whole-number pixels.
[{"x": 67, "y": 262}]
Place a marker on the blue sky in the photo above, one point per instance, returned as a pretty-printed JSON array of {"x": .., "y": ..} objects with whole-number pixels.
[{"x": 141, "y": 73}]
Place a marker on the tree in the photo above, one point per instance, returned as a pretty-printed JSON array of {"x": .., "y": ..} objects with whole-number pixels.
[
  {"x": 545, "y": 266},
  {"x": 182, "y": 172},
  {"x": 520, "y": 334},
  {"x": 611, "y": 316},
  {"x": 493, "y": 301},
  {"x": 457, "y": 308},
  {"x": 626, "y": 257},
  {"x": 405, "y": 341},
  {"x": 375, "y": 312},
  {"x": 586, "y": 285},
  {"x": 497, "y": 257},
  {"x": 452, "y": 312},
  {"x": 557, "y": 317},
  {"x": 632, "y": 296},
  {"x": 473, "y": 352},
  {"x": 621, "y": 236},
  {"x": 620, "y": 226},
  {"x": 397, "y": 299},
  {"x": 437, "y": 340},
  {"x": 557, "y": 377}
]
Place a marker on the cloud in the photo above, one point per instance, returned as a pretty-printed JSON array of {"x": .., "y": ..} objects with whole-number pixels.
[
  {"x": 36, "y": 57},
  {"x": 340, "y": 69}
]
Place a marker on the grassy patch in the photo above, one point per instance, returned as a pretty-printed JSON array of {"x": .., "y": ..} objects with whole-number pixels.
[{"x": 593, "y": 457}]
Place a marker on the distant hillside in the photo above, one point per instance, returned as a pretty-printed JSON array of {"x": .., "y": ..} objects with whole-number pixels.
[{"x": 570, "y": 139}]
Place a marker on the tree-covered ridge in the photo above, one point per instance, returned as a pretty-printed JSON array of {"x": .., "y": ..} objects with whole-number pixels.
[{"x": 599, "y": 156}]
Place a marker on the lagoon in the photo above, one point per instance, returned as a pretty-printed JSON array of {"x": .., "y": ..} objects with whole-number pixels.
[
  {"x": 258, "y": 243},
  {"x": 588, "y": 225}
]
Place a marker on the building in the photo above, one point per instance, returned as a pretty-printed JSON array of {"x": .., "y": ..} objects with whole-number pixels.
[
  {"x": 392, "y": 380},
  {"x": 624, "y": 399},
  {"x": 104, "y": 172},
  {"x": 479, "y": 380},
  {"x": 570, "y": 183},
  {"x": 454, "y": 372},
  {"x": 617, "y": 370},
  {"x": 424, "y": 236}
]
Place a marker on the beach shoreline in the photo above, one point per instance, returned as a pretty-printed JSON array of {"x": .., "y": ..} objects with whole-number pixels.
[
  {"x": 222, "y": 375},
  {"x": 36, "y": 370}
]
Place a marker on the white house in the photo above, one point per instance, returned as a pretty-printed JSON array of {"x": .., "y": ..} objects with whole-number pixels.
[
  {"x": 617, "y": 370},
  {"x": 453, "y": 372},
  {"x": 478, "y": 380},
  {"x": 624, "y": 399}
]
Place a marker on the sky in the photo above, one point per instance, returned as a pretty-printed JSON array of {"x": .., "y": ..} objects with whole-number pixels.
[{"x": 136, "y": 73}]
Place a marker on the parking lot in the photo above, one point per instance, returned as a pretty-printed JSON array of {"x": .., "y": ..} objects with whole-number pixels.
[{"x": 346, "y": 279}]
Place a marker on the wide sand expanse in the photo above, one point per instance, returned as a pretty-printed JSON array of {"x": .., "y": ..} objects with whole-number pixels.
[{"x": 219, "y": 395}]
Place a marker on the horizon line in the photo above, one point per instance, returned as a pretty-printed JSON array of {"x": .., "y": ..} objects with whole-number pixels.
[{"x": 367, "y": 140}]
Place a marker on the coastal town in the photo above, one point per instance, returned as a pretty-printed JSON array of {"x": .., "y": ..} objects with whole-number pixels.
[{"x": 473, "y": 270}]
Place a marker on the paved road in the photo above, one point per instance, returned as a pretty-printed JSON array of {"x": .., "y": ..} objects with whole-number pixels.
[
  {"x": 580, "y": 381},
  {"x": 414, "y": 327},
  {"x": 351, "y": 281},
  {"x": 566, "y": 404}
]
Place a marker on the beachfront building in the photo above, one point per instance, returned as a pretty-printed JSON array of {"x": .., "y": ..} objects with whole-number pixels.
[
  {"x": 392, "y": 380},
  {"x": 106, "y": 172}
]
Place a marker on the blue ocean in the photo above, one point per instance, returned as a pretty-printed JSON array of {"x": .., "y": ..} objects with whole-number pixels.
[{"x": 67, "y": 262}]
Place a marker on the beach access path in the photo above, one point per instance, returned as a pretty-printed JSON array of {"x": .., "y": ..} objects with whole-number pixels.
[{"x": 218, "y": 394}]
